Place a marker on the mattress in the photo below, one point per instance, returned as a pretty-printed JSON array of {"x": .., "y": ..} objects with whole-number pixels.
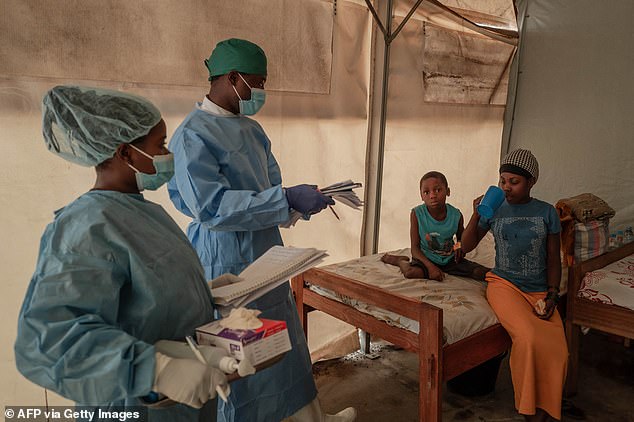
[
  {"x": 463, "y": 301},
  {"x": 612, "y": 284}
]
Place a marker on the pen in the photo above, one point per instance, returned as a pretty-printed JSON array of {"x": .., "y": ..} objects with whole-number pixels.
[
  {"x": 333, "y": 211},
  {"x": 192, "y": 345},
  {"x": 201, "y": 359}
]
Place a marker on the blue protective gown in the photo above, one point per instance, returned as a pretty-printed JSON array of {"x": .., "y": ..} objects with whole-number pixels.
[
  {"x": 228, "y": 181},
  {"x": 114, "y": 275}
]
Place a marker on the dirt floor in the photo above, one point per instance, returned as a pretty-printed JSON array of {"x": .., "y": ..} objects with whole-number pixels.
[{"x": 386, "y": 389}]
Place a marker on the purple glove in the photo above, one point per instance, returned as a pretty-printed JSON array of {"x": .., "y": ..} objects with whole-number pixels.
[{"x": 307, "y": 199}]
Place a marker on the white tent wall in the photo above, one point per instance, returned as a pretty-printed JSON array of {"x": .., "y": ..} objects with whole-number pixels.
[
  {"x": 575, "y": 98},
  {"x": 461, "y": 141},
  {"x": 319, "y": 132}
]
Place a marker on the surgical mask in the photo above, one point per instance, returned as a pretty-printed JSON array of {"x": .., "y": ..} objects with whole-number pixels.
[
  {"x": 164, "y": 166},
  {"x": 252, "y": 106}
]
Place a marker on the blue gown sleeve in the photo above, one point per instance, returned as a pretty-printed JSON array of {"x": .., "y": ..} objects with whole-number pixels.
[
  {"x": 200, "y": 186},
  {"x": 67, "y": 338},
  {"x": 275, "y": 175}
]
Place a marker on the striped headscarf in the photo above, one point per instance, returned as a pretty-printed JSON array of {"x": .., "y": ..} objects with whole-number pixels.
[{"x": 522, "y": 162}]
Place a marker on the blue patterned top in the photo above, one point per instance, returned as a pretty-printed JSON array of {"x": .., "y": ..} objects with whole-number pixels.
[
  {"x": 521, "y": 233},
  {"x": 436, "y": 237}
]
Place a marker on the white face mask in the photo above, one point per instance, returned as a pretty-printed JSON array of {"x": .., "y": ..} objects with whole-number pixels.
[
  {"x": 252, "y": 106},
  {"x": 164, "y": 166}
]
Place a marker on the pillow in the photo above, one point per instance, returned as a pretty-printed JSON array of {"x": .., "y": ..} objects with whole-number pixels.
[{"x": 591, "y": 239}]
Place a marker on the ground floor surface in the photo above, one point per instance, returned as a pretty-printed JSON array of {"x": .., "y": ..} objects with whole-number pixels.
[{"x": 386, "y": 389}]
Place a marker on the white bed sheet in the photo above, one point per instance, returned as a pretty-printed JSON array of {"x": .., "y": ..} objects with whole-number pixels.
[
  {"x": 463, "y": 301},
  {"x": 612, "y": 285}
]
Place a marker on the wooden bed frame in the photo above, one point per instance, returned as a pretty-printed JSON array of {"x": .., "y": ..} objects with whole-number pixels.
[
  {"x": 583, "y": 312},
  {"x": 436, "y": 363}
]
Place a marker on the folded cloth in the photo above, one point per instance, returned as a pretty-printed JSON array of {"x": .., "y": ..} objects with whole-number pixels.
[{"x": 587, "y": 207}]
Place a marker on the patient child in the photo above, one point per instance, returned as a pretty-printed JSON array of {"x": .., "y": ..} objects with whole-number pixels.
[{"x": 433, "y": 225}]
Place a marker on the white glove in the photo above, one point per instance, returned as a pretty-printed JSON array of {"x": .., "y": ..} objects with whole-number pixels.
[
  {"x": 241, "y": 319},
  {"x": 186, "y": 381}
]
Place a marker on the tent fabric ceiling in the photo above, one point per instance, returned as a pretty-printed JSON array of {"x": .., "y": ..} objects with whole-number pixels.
[{"x": 494, "y": 15}]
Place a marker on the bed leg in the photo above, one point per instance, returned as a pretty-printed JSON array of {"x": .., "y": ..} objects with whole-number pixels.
[
  {"x": 364, "y": 341},
  {"x": 573, "y": 333},
  {"x": 364, "y": 344},
  {"x": 297, "y": 285},
  {"x": 430, "y": 366}
]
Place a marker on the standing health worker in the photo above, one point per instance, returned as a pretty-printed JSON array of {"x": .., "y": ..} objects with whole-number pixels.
[
  {"x": 114, "y": 274},
  {"x": 228, "y": 181}
]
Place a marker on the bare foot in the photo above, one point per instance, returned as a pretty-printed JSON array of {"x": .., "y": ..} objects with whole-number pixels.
[{"x": 393, "y": 259}]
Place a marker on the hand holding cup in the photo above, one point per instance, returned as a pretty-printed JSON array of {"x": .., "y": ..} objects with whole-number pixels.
[{"x": 491, "y": 201}]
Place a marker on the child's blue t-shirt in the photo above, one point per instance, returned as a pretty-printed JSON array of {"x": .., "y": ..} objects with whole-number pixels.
[
  {"x": 520, "y": 233},
  {"x": 436, "y": 237}
]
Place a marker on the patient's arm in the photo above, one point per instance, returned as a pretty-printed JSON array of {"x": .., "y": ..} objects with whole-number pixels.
[
  {"x": 434, "y": 272},
  {"x": 473, "y": 234}
]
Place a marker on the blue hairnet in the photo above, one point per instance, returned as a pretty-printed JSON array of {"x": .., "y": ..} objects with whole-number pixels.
[{"x": 85, "y": 125}]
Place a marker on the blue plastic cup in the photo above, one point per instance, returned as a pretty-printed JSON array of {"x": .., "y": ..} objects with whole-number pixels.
[{"x": 491, "y": 201}]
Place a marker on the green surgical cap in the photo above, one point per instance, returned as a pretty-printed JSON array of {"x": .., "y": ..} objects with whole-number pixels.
[
  {"x": 235, "y": 54},
  {"x": 85, "y": 125}
]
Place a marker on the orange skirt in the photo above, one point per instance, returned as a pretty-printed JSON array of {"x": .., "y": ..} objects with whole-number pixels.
[{"x": 539, "y": 354}]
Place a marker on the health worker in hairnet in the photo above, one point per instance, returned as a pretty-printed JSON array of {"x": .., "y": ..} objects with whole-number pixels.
[
  {"x": 228, "y": 181},
  {"x": 115, "y": 274}
]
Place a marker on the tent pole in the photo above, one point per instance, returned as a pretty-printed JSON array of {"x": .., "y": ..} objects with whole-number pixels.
[
  {"x": 521, "y": 10},
  {"x": 376, "y": 127},
  {"x": 404, "y": 21},
  {"x": 380, "y": 71},
  {"x": 377, "y": 120}
]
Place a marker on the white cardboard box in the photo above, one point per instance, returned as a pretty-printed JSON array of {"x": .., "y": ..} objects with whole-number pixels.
[{"x": 257, "y": 345}]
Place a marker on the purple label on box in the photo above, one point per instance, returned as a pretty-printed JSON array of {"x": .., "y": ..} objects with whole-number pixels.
[
  {"x": 253, "y": 338},
  {"x": 234, "y": 334},
  {"x": 243, "y": 336}
]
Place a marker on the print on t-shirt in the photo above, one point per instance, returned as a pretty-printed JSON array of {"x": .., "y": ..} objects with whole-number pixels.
[
  {"x": 433, "y": 243},
  {"x": 521, "y": 240}
]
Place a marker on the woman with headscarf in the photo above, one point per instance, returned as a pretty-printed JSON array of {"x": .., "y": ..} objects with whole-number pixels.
[
  {"x": 523, "y": 286},
  {"x": 115, "y": 274}
]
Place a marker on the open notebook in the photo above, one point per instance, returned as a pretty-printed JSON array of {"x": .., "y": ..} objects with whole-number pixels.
[{"x": 273, "y": 268}]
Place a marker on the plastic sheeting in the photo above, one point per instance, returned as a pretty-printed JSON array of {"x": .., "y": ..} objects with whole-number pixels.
[{"x": 463, "y": 68}]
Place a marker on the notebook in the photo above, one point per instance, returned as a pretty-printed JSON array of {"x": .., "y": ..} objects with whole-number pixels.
[
  {"x": 273, "y": 268},
  {"x": 341, "y": 192}
]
